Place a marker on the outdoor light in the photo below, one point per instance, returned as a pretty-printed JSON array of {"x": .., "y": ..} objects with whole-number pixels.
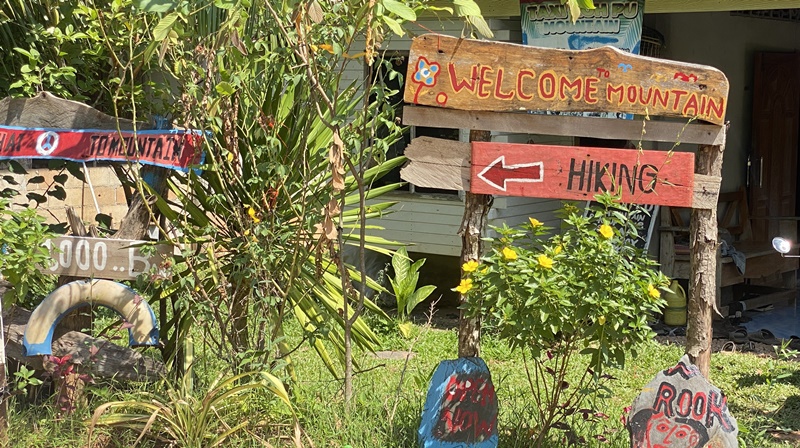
[{"x": 783, "y": 246}]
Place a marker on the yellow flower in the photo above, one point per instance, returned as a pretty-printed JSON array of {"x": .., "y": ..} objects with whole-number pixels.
[
  {"x": 545, "y": 261},
  {"x": 653, "y": 291},
  {"x": 252, "y": 213},
  {"x": 509, "y": 254},
  {"x": 470, "y": 266},
  {"x": 601, "y": 320},
  {"x": 535, "y": 222},
  {"x": 606, "y": 231},
  {"x": 558, "y": 249},
  {"x": 247, "y": 232},
  {"x": 464, "y": 286}
]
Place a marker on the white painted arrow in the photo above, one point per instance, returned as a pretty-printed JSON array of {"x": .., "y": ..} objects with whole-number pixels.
[{"x": 499, "y": 176}]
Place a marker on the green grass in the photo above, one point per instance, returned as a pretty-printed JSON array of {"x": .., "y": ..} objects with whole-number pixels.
[{"x": 386, "y": 411}]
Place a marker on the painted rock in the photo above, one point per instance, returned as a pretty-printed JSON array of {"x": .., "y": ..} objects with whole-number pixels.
[
  {"x": 461, "y": 407},
  {"x": 681, "y": 409}
]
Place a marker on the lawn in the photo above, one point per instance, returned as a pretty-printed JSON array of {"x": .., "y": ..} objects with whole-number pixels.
[{"x": 763, "y": 394}]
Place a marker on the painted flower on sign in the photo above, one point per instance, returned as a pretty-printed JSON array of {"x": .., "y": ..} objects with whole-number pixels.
[{"x": 426, "y": 72}]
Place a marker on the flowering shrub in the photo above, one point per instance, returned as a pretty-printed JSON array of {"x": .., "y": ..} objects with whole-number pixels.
[{"x": 581, "y": 291}]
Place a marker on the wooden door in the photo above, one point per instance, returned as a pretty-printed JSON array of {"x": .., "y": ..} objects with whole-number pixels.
[{"x": 773, "y": 160}]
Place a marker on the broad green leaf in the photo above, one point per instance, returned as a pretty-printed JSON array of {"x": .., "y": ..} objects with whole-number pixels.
[
  {"x": 224, "y": 4},
  {"x": 405, "y": 329},
  {"x": 393, "y": 25},
  {"x": 480, "y": 24},
  {"x": 419, "y": 296},
  {"x": 400, "y": 10},
  {"x": 156, "y": 5},
  {"x": 225, "y": 88},
  {"x": 164, "y": 26},
  {"x": 465, "y": 8}
]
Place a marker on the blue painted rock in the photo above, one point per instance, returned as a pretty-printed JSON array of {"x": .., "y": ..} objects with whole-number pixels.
[
  {"x": 681, "y": 409},
  {"x": 461, "y": 407}
]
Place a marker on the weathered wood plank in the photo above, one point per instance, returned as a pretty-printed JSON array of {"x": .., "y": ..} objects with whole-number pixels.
[
  {"x": 511, "y": 8},
  {"x": 452, "y": 171},
  {"x": 657, "y": 131},
  {"x": 469, "y": 74},
  {"x": 110, "y": 361},
  {"x": 438, "y": 162},
  {"x": 106, "y": 258}
]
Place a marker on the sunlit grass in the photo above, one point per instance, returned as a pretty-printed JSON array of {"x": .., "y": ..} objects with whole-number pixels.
[{"x": 386, "y": 412}]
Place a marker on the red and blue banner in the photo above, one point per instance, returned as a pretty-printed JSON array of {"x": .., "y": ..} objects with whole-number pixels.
[{"x": 172, "y": 148}]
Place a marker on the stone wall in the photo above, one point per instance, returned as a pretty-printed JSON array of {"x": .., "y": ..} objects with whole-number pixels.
[{"x": 107, "y": 190}]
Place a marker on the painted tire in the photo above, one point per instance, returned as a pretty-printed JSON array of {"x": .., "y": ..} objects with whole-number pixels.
[{"x": 130, "y": 306}]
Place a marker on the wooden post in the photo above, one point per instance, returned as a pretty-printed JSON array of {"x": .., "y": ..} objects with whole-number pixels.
[
  {"x": 703, "y": 283},
  {"x": 3, "y": 383},
  {"x": 476, "y": 210}
]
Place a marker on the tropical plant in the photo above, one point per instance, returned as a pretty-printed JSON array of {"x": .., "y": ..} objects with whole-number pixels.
[
  {"x": 184, "y": 419},
  {"x": 287, "y": 178},
  {"x": 289, "y": 166},
  {"x": 404, "y": 286},
  {"x": 22, "y": 236},
  {"x": 580, "y": 292}
]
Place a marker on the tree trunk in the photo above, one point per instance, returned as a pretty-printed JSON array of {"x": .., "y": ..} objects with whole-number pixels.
[
  {"x": 3, "y": 379},
  {"x": 703, "y": 283},
  {"x": 476, "y": 210}
]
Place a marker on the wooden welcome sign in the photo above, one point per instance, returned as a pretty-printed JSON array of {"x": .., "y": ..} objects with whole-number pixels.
[{"x": 470, "y": 74}]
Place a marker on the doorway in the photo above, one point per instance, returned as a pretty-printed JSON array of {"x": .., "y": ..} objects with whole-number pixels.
[{"x": 773, "y": 167}]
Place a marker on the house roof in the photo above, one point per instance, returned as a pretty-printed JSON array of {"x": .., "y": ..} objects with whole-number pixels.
[{"x": 511, "y": 8}]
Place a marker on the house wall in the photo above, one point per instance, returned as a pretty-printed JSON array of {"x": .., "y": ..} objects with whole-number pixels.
[
  {"x": 728, "y": 43},
  {"x": 108, "y": 192}
]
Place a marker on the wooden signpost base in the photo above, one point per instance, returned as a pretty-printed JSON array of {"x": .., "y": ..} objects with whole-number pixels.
[
  {"x": 480, "y": 85},
  {"x": 476, "y": 211}
]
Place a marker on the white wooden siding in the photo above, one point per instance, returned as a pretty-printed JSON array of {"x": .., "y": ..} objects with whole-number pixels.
[{"x": 427, "y": 222}]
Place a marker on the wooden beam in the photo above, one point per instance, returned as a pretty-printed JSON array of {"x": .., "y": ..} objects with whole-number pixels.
[
  {"x": 445, "y": 164},
  {"x": 511, "y": 8},
  {"x": 633, "y": 130},
  {"x": 704, "y": 247}
]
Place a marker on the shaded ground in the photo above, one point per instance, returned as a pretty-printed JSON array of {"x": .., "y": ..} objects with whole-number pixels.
[{"x": 446, "y": 318}]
